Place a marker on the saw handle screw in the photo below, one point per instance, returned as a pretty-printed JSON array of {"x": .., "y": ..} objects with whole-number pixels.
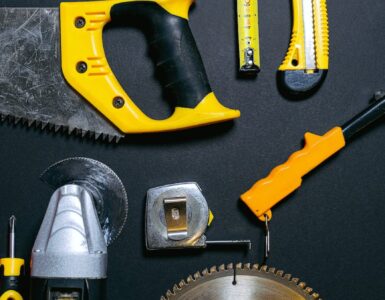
[
  {"x": 118, "y": 102},
  {"x": 81, "y": 67},
  {"x": 80, "y": 22}
]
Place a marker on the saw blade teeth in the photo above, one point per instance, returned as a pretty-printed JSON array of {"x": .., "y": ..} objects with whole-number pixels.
[
  {"x": 189, "y": 279},
  {"x": 30, "y": 122},
  {"x": 315, "y": 296},
  {"x": 169, "y": 294},
  {"x": 295, "y": 280},
  {"x": 238, "y": 266},
  {"x": 97, "y": 135},
  {"x": 255, "y": 267},
  {"x": 222, "y": 267},
  {"x": 205, "y": 272},
  {"x": 308, "y": 290},
  {"x": 213, "y": 269},
  {"x": 264, "y": 268},
  {"x": 247, "y": 266},
  {"x": 229, "y": 266},
  {"x": 197, "y": 275},
  {"x": 175, "y": 289},
  {"x": 287, "y": 276},
  {"x": 163, "y": 298},
  {"x": 44, "y": 125},
  {"x": 272, "y": 270},
  {"x": 182, "y": 284},
  {"x": 279, "y": 273},
  {"x": 302, "y": 285}
]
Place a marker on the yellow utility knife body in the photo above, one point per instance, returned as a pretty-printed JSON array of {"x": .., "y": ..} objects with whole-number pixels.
[{"x": 307, "y": 60}]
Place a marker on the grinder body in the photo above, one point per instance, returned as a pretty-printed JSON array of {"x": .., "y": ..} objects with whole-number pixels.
[{"x": 69, "y": 257}]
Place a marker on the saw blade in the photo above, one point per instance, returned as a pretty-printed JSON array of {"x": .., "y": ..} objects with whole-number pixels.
[
  {"x": 109, "y": 194},
  {"x": 242, "y": 282},
  {"x": 32, "y": 88},
  {"x": 308, "y": 23}
]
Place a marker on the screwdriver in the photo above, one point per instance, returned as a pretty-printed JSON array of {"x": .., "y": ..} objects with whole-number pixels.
[{"x": 12, "y": 268}]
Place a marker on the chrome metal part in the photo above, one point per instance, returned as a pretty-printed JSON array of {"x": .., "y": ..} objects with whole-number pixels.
[
  {"x": 197, "y": 216},
  {"x": 105, "y": 187},
  {"x": 70, "y": 242},
  {"x": 32, "y": 88},
  {"x": 267, "y": 238},
  {"x": 230, "y": 243},
  {"x": 241, "y": 282},
  {"x": 11, "y": 250},
  {"x": 309, "y": 36},
  {"x": 176, "y": 220}
]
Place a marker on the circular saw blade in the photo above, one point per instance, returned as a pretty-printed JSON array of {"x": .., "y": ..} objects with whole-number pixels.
[
  {"x": 107, "y": 189},
  {"x": 242, "y": 282}
]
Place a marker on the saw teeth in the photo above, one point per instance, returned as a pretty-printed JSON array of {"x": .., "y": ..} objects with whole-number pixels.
[
  {"x": 191, "y": 280},
  {"x": 279, "y": 273},
  {"x": 264, "y": 268}
]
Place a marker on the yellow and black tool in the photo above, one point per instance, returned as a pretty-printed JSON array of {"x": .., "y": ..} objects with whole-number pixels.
[
  {"x": 286, "y": 178},
  {"x": 307, "y": 60},
  {"x": 12, "y": 267},
  {"x": 248, "y": 36},
  {"x": 64, "y": 81}
]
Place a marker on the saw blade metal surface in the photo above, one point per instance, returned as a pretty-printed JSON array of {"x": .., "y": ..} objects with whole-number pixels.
[
  {"x": 241, "y": 282},
  {"x": 109, "y": 194},
  {"x": 309, "y": 35},
  {"x": 33, "y": 90}
]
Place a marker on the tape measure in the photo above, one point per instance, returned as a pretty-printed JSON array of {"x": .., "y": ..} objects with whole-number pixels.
[{"x": 248, "y": 36}]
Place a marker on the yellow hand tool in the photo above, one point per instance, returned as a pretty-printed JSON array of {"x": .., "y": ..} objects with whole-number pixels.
[
  {"x": 49, "y": 99},
  {"x": 248, "y": 36},
  {"x": 307, "y": 60},
  {"x": 12, "y": 267},
  {"x": 286, "y": 178}
]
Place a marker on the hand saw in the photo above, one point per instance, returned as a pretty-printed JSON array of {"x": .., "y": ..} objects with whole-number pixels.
[
  {"x": 307, "y": 59},
  {"x": 36, "y": 52},
  {"x": 286, "y": 178}
]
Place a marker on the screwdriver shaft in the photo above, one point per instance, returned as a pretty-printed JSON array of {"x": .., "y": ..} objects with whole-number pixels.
[{"x": 12, "y": 221}]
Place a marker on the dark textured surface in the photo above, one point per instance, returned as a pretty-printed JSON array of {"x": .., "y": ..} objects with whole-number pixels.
[{"x": 329, "y": 233}]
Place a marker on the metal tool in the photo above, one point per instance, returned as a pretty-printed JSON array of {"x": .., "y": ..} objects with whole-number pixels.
[
  {"x": 307, "y": 60},
  {"x": 286, "y": 178},
  {"x": 58, "y": 77},
  {"x": 12, "y": 268},
  {"x": 177, "y": 216},
  {"x": 248, "y": 36},
  {"x": 85, "y": 214},
  {"x": 241, "y": 282}
]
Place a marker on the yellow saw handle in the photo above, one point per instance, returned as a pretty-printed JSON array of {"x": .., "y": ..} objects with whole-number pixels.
[
  {"x": 294, "y": 75},
  {"x": 178, "y": 63},
  {"x": 286, "y": 178}
]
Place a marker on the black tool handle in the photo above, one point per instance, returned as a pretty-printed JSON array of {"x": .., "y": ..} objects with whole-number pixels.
[
  {"x": 178, "y": 63},
  {"x": 371, "y": 114}
]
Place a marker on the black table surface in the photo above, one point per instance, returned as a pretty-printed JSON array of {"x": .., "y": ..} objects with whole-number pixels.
[{"x": 329, "y": 233}]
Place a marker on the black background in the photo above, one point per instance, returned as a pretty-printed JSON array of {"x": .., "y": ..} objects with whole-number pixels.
[{"x": 329, "y": 233}]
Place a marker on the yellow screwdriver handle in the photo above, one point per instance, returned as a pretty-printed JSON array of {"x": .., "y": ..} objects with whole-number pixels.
[
  {"x": 286, "y": 178},
  {"x": 11, "y": 295}
]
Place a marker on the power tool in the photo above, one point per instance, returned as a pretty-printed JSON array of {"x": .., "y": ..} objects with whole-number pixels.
[
  {"x": 68, "y": 42},
  {"x": 307, "y": 59},
  {"x": 12, "y": 268},
  {"x": 85, "y": 214}
]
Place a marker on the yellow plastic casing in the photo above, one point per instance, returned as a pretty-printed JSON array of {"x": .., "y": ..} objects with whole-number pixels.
[
  {"x": 99, "y": 85},
  {"x": 11, "y": 294},
  {"x": 295, "y": 56},
  {"x": 286, "y": 178},
  {"x": 11, "y": 267},
  {"x": 248, "y": 30}
]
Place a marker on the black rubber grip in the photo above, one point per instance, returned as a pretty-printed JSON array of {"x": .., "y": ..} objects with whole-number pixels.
[{"x": 179, "y": 66}]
